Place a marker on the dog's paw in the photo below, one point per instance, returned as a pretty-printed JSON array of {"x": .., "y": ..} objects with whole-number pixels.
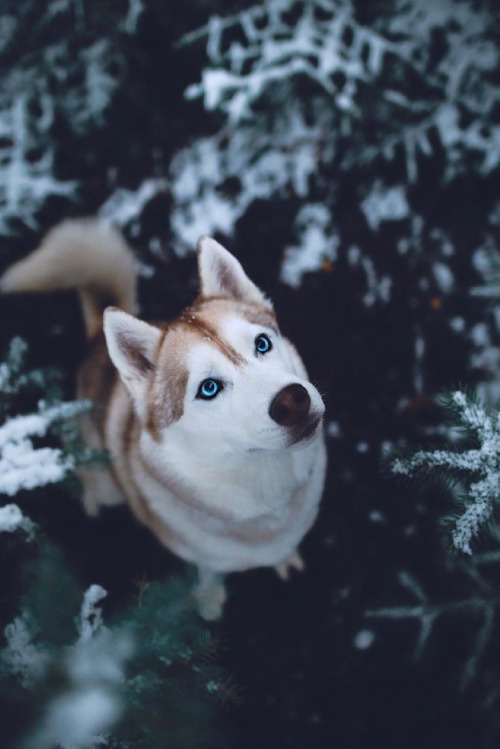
[
  {"x": 294, "y": 561},
  {"x": 210, "y": 602}
]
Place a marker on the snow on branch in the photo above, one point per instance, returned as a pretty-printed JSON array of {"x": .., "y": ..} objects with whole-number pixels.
[
  {"x": 478, "y": 467},
  {"x": 215, "y": 179},
  {"x": 93, "y": 668},
  {"x": 306, "y": 91},
  {"x": 487, "y": 262},
  {"x": 125, "y": 206},
  {"x": 22, "y": 657},
  {"x": 325, "y": 40},
  {"x": 91, "y": 614},
  {"x": 22, "y": 466},
  {"x": 25, "y": 181},
  {"x": 10, "y": 368},
  {"x": 12, "y": 519},
  {"x": 425, "y": 613}
]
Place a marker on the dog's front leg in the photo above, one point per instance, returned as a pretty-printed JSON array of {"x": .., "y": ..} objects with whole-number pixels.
[{"x": 210, "y": 593}]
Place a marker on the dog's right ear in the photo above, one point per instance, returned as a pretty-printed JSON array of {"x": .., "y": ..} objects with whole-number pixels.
[
  {"x": 132, "y": 346},
  {"x": 222, "y": 275}
]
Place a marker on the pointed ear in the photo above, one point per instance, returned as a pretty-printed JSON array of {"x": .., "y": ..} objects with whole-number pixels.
[
  {"x": 132, "y": 346},
  {"x": 222, "y": 275}
]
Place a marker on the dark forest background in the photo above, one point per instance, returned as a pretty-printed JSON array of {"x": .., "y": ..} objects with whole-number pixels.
[{"x": 348, "y": 153}]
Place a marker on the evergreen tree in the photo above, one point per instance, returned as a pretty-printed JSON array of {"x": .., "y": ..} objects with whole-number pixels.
[{"x": 150, "y": 678}]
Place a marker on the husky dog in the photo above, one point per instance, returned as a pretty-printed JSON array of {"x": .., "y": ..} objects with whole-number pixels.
[{"x": 214, "y": 431}]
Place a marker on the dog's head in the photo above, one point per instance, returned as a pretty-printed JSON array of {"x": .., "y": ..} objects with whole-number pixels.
[{"x": 220, "y": 378}]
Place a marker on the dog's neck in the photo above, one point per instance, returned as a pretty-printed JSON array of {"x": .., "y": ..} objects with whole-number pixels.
[{"x": 237, "y": 488}]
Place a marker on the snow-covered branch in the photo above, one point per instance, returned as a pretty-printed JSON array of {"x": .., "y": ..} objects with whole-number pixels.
[{"x": 481, "y": 465}]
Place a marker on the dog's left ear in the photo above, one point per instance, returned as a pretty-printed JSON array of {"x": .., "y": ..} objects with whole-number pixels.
[{"x": 222, "y": 275}]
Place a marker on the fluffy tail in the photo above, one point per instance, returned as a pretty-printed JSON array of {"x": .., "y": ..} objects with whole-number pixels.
[{"x": 87, "y": 255}]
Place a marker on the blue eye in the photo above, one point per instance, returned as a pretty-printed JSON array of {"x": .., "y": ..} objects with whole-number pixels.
[
  {"x": 209, "y": 389},
  {"x": 262, "y": 344}
]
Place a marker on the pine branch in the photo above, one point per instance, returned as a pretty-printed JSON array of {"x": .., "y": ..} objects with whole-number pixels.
[{"x": 479, "y": 468}]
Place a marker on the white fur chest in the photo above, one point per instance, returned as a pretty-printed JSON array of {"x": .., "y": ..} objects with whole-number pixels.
[{"x": 250, "y": 516}]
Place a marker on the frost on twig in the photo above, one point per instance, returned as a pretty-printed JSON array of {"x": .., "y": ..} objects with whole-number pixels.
[
  {"x": 478, "y": 468},
  {"x": 24, "y": 464},
  {"x": 263, "y": 153},
  {"x": 487, "y": 262},
  {"x": 91, "y": 614},
  {"x": 483, "y": 604},
  {"x": 306, "y": 95},
  {"x": 22, "y": 657},
  {"x": 92, "y": 669},
  {"x": 54, "y": 78},
  {"x": 125, "y": 206},
  {"x": 25, "y": 182},
  {"x": 91, "y": 684},
  {"x": 278, "y": 49}
]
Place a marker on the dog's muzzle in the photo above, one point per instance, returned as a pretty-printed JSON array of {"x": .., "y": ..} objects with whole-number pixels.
[{"x": 290, "y": 407}]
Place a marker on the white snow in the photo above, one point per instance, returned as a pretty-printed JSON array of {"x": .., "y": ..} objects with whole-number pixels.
[
  {"x": 125, "y": 206},
  {"x": 91, "y": 615},
  {"x": 276, "y": 52},
  {"x": 135, "y": 10},
  {"x": 482, "y": 464},
  {"x": 260, "y": 164},
  {"x": 22, "y": 466},
  {"x": 12, "y": 519},
  {"x": 95, "y": 666},
  {"x": 21, "y": 657},
  {"x": 364, "y": 639},
  {"x": 457, "y": 324},
  {"x": 269, "y": 160},
  {"x": 377, "y": 517},
  {"x": 333, "y": 429},
  {"x": 24, "y": 183},
  {"x": 11, "y": 368},
  {"x": 99, "y": 83},
  {"x": 316, "y": 244},
  {"x": 75, "y": 720},
  {"x": 385, "y": 204},
  {"x": 444, "y": 277}
]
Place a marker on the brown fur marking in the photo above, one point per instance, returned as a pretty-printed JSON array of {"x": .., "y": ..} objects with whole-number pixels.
[
  {"x": 167, "y": 388},
  {"x": 205, "y": 330},
  {"x": 216, "y": 307},
  {"x": 98, "y": 388}
]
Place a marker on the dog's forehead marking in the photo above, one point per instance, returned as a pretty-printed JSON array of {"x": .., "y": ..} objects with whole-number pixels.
[
  {"x": 215, "y": 308},
  {"x": 200, "y": 321},
  {"x": 204, "y": 329}
]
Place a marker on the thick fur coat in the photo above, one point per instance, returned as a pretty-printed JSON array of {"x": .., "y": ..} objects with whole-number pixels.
[{"x": 214, "y": 430}]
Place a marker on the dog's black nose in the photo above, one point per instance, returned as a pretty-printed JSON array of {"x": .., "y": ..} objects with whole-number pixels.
[{"x": 290, "y": 406}]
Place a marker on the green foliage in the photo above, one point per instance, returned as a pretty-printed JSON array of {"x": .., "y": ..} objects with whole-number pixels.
[
  {"x": 149, "y": 678},
  {"x": 173, "y": 678},
  {"x": 153, "y": 665}
]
